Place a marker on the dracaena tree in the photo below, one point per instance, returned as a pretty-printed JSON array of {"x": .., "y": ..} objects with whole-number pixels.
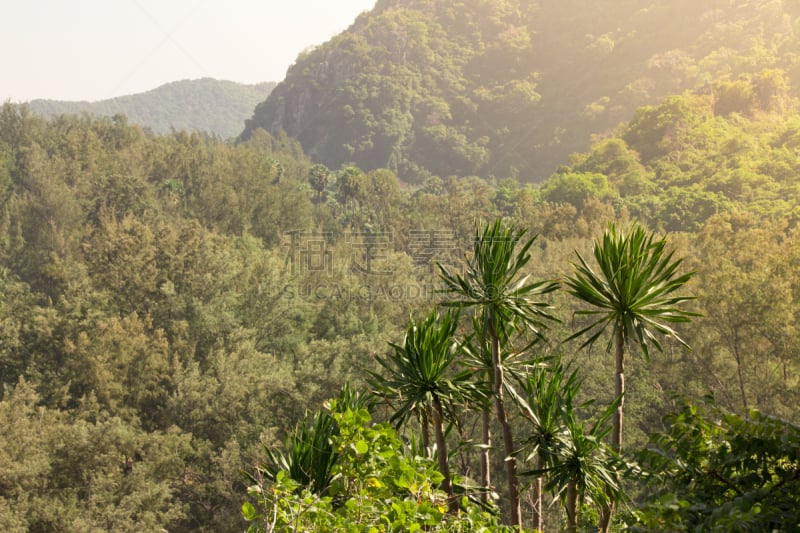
[
  {"x": 506, "y": 301},
  {"x": 419, "y": 377},
  {"x": 570, "y": 457},
  {"x": 584, "y": 468},
  {"x": 548, "y": 394},
  {"x": 633, "y": 294},
  {"x": 477, "y": 357}
]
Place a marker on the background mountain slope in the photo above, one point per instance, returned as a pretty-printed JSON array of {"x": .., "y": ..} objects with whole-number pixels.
[
  {"x": 215, "y": 106},
  {"x": 511, "y": 87}
]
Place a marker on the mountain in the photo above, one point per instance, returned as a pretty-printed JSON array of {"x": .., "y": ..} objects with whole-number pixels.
[
  {"x": 512, "y": 87},
  {"x": 215, "y": 106}
]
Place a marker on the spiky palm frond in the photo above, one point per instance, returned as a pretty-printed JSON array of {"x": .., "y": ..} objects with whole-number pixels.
[
  {"x": 634, "y": 289},
  {"x": 578, "y": 456},
  {"x": 309, "y": 456},
  {"x": 422, "y": 367},
  {"x": 548, "y": 391},
  {"x": 493, "y": 281}
]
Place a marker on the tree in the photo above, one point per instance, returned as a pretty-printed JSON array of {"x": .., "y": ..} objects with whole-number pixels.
[
  {"x": 419, "y": 378},
  {"x": 576, "y": 189},
  {"x": 718, "y": 471},
  {"x": 582, "y": 465},
  {"x": 572, "y": 460},
  {"x": 352, "y": 186},
  {"x": 747, "y": 289},
  {"x": 546, "y": 390},
  {"x": 633, "y": 295},
  {"x": 478, "y": 357},
  {"x": 494, "y": 283},
  {"x": 320, "y": 178}
]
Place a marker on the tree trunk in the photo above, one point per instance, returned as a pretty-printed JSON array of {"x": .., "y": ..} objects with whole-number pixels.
[
  {"x": 616, "y": 432},
  {"x": 572, "y": 507},
  {"x": 738, "y": 356},
  {"x": 486, "y": 454},
  {"x": 538, "y": 515},
  {"x": 606, "y": 513},
  {"x": 441, "y": 454},
  {"x": 619, "y": 390},
  {"x": 508, "y": 440},
  {"x": 426, "y": 437}
]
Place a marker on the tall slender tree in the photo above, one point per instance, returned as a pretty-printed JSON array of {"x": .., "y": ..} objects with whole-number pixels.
[
  {"x": 494, "y": 283},
  {"x": 478, "y": 358},
  {"x": 634, "y": 296}
]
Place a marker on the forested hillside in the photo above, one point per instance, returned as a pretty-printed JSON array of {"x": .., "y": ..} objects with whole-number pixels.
[
  {"x": 512, "y": 87},
  {"x": 171, "y": 303},
  {"x": 214, "y": 106}
]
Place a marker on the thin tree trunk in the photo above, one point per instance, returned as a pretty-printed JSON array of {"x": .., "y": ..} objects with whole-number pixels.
[
  {"x": 738, "y": 356},
  {"x": 508, "y": 440},
  {"x": 538, "y": 514},
  {"x": 616, "y": 432},
  {"x": 426, "y": 437},
  {"x": 441, "y": 454},
  {"x": 619, "y": 391},
  {"x": 572, "y": 507},
  {"x": 486, "y": 454},
  {"x": 606, "y": 513}
]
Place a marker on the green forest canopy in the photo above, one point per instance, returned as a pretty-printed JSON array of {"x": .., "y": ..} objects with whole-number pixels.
[{"x": 172, "y": 302}]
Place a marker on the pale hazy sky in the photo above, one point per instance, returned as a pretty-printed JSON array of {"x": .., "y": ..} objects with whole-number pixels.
[{"x": 96, "y": 49}]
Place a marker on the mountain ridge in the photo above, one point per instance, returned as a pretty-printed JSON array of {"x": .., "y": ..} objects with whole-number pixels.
[
  {"x": 510, "y": 88},
  {"x": 218, "y": 107}
]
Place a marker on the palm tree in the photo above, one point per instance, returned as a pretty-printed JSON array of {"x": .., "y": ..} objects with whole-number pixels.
[
  {"x": 633, "y": 295},
  {"x": 575, "y": 462},
  {"x": 494, "y": 283},
  {"x": 320, "y": 178},
  {"x": 584, "y": 467},
  {"x": 548, "y": 392},
  {"x": 478, "y": 358},
  {"x": 420, "y": 379}
]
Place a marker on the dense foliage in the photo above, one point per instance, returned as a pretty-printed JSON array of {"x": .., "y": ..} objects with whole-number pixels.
[
  {"x": 377, "y": 485},
  {"x": 724, "y": 472},
  {"x": 217, "y": 107},
  {"x": 512, "y": 87}
]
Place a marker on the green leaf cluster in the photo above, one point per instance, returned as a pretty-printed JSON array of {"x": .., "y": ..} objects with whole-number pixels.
[
  {"x": 377, "y": 485},
  {"x": 633, "y": 290},
  {"x": 722, "y": 471}
]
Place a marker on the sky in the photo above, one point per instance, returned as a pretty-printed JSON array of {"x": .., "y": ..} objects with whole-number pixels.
[{"x": 97, "y": 49}]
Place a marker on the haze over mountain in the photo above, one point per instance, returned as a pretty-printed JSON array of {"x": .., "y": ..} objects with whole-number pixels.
[
  {"x": 218, "y": 107},
  {"x": 511, "y": 87}
]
